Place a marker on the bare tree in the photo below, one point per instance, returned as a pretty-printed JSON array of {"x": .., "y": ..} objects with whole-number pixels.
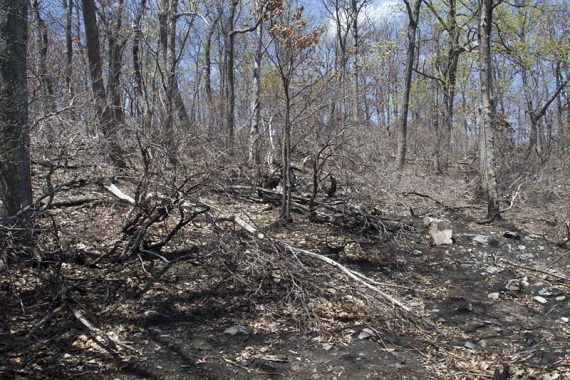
[
  {"x": 486, "y": 134},
  {"x": 15, "y": 180},
  {"x": 104, "y": 112},
  {"x": 413, "y": 17}
]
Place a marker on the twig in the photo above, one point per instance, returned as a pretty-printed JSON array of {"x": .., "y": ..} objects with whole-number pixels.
[
  {"x": 560, "y": 277},
  {"x": 405, "y": 194},
  {"x": 44, "y": 320}
]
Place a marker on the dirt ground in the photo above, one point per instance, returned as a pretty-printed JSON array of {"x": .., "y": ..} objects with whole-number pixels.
[{"x": 500, "y": 294}]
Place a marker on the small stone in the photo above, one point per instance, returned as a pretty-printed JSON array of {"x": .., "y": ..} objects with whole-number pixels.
[
  {"x": 327, "y": 346},
  {"x": 235, "y": 330},
  {"x": 540, "y": 299},
  {"x": 564, "y": 319},
  {"x": 560, "y": 298},
  {"x": 514, "y": 285},
  {"x": 550, "y": 376},
  {"x": 526, "y": 256},
  {"x": 492, "y": 269},
  {"x": 521, "y": 247},
  {"x": 512, "y": 235},
  {"x": 417, "y": 253},
  {"x": 544, "y": 292},
  {"x": 482, "y": 239},
  {"x": 493, "y": 296},
  {"x": 366, "y": 333},
  {"x": 273, "y": 326},
  {"x": 471, "y": 346}
]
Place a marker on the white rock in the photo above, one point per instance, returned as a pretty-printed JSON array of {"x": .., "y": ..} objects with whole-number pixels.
[
  {"x": 471, "y": 346},
  {"x": 485, "y": 240},
  {"x": 544, "y": 292},
  {"x": 560, "y": 298},
  {"x": 235, "y": 330},
  {"x": 327, "y": 346},
  {"x": 514, "y": 285},
  {"x": 493, "y": 296},
  {"x": 550, "y": 376},
  {"x": 366, "y": 333},
  {"x": 540, "y": 299},
  {"x": 564, "y": 319},
  {"x": 521, "y": 247},
  {"x": 440, "y": 231}
]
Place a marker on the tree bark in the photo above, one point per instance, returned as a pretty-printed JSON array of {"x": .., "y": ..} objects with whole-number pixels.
[
  {"x": 486, "y": 133},
  {"x": 15, "y": 179},
  {"x": 254, "y": 135},
  {"x": 68, "y": 44},
  {"x": 356, "y": 63},
  {"x": 104, "y": 112},
  {"x": 42, "y": 42},
  {"x": 413, "y": 16},
  {"x": 117, "y": 45},
  {"x": 229, "y": 58}
]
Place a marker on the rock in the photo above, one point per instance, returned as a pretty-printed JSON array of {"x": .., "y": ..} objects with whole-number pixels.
[
  {"x": 493, "y": 296},
  {"x": 235, "y": 330},
  {"x": 327, "y": 346},
  {"x": 526, "y": 256},
  {"x": 417, "y": 253},
  {"x": 544, "y": 292},
  {"x": 564, "y": 319},
  {"x": 540, "y": 299},
  {"x": 485, "y": 240},
  {"x": 550, "y": 376},
  {"x": 560, "y": 298},
  {"x": 491, "y": 269},
  {"x": 366, "y": 333},
  {"x": 440, "y": 231},
  {"x": 513, "y": 285},
  {"x": 471, "y": 346},
  {"x": 512, "y": 235},
  {"x": 521, "y": 247}
]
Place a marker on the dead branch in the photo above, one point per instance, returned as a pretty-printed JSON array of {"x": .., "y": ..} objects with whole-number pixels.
[
  {"x": 96, "y": 332},
  {"x": 355, "y": 276},
  {"x": 405, "y": 194},
  {"x": 560, "y": 277},
  {"x": 118, "y": 193},
  {"x": 359, "y": 278}
]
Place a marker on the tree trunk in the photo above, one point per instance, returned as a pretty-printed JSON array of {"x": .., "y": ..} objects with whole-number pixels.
[
  {"x": 116, "y": 47},
  {"x": 15, "y": 180},
  {"x": 96, "y": 72},
  {"x": 413, "y": 15},
  {"x": 486, "y": 134},
  {"x": 355, "y": 69},
  {"x": 68, "y": 43},
  {"x": 42, "y": 50},
  {"x": 254, "y": 136},
  {"x": 286, "y": 155},
  {"x": 136, "y": 46},
  {"x": 230, "y": 74},
  {"x": 208, "y": 73}
]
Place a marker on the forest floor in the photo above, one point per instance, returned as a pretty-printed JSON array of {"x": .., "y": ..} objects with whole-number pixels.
[{"x": 500, "y": 294}]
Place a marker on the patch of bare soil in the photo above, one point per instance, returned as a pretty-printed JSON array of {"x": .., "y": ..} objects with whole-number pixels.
[{"x": 218, "y": 302}]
